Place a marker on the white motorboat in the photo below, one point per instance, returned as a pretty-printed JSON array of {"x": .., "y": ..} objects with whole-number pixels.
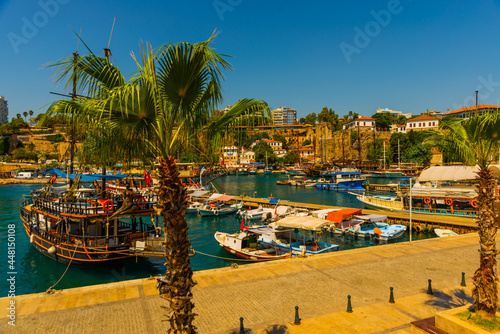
[{"x": 246, "y": 245}]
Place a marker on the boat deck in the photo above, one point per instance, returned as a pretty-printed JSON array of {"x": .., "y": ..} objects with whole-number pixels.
[{"x": 265, "y": 294}]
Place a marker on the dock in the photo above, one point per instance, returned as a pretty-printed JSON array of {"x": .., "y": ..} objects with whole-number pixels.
[
  {"x": 457, "y": 224},
  {"x": 265, "y": 294}
]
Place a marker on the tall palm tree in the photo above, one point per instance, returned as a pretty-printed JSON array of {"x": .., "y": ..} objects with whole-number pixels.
[
  {"x": 165, "y": 106},
  {"x": 25, "y": 114},
  {"x": 476, "y": 141}
]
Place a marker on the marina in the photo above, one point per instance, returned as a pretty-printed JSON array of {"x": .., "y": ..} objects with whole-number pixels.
[{"x": 45, "y": 272}]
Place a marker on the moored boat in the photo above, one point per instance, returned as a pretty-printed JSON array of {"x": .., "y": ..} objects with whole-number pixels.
[
  {"x": 246, "y": 245},
  {"x": 80, "y": 228}
]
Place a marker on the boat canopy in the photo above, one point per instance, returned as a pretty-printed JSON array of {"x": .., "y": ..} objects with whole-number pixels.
[
  {"x": 304, "y": 223},
  {"x": 85, "y": 177},
  {"x": 221, "y": 197},
  {"x": 322, "y": 213},
  {"x": 340, "y": 215},
  {"x": 453, "y": 173},
  {"x": 371, "y": 218},
  {"x": 199, "y": 193}
]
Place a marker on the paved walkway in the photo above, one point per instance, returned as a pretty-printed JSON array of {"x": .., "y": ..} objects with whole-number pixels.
[{"x": 265, "y": 294}]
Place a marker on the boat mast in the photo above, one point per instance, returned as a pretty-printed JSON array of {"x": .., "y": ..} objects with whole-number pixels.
[
  {"x": 384, "y": 154},
  {"x": 359, "y": 146},
  {"x": 107, "y": 53},
  {"x": 298, "y": 151},
  {"x": 399, "y": 156},
  {"x": 73, "y": 96}
]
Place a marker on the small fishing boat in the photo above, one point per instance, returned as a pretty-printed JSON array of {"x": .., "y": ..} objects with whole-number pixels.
[
  {"x": 268, "y": 171},
  {"x": 194, "y": 207},
  {"x": 373, "y": 227},
  {"x": 252, "y": 171},
  {"x": 216, "y": 209},
  {"x": 246, "y": 245},
  {"x": 242, "y": 171},
  {"x": 344, "y": 180},
  {"x": 281, "y": 234},
  {"x": 257, "y": 214},
  {"x": 444, "y": 233}
]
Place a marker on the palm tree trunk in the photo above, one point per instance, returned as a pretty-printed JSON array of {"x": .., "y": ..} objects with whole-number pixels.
[
  {"x": 173, "y": 202},
  {"x": 485, "y": 281}
]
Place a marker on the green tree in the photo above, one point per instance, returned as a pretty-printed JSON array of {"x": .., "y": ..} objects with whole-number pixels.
[
  {"x": 290, "y": 157},
  {"x": 382, "y": 121},
  {"x": 25, "y": 114},
  {"x": 260, "y": 153},
  {"x": 476, "y": 140},
  {"x": 166, "y": 105},
  {"x": 401, "y": 120},
  {"x": 310, "y": 119}
]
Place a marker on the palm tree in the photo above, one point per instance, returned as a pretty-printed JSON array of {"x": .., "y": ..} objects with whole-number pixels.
[
  {"x": 18, "y": 116},
  {"x": 476, "y": 141},
  {"x": 25, "y": 114},
  {"x": 167, "y": 105}
]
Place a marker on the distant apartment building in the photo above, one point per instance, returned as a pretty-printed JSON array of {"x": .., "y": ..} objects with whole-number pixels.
[
  {"x": 396, "y": 113},
  {"x": 284, "y": 116},
  {"x": 247, "y": 156},
  {"x": 467, "y": 112},
  {"x": 361, "y": 121},
  {"x": 230, "y": 154},
  {"x": 422, "y": 122},
  {"x": 4, "y": 110}
]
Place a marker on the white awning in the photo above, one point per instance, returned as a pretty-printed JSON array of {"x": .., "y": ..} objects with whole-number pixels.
[
  {"x": 453, "y": 173},
  {"x": 199, "y": 193},
  {"x": 304, "y": 223},
  {"x": 372, "y": 218}
]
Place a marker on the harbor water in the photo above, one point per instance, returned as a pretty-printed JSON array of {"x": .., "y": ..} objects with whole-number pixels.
[{"x": 36, "y": 273}]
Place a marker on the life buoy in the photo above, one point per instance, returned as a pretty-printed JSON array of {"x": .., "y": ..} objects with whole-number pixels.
[
  {"x": 427, "y": 200},
  {"x": 141, "y": 202},
  {"x": 474, "y": 203},
  {"x": 448, "y": 201},
  {"x": 108, "y": 205}
]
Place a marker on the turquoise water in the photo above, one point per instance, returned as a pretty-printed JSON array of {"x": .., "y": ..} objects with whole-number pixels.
[{"x": 36, "y": 273}]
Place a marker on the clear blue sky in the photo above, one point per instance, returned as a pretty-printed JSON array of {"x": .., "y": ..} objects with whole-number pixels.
[{"x": 347, "y": 55}]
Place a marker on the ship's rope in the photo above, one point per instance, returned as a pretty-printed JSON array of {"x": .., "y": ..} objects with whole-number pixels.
[
  {"x": 51, "y": 290},
  {"x": 225, "y": 258}
]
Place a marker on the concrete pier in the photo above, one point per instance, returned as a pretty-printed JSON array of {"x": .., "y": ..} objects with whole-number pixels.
[{"x": 265, "y": 294}]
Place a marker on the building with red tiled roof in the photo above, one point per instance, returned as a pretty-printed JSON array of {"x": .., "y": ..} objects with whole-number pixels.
[
  {"x": 361, "y": 121},
  {"x": 466, "y": 112},
  {"x": 422, "y": 122}
]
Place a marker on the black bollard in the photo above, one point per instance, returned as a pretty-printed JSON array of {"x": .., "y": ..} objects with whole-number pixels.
[
  {"x": 297, "y": 319},
  {"x": 429, "y": 289},
  {"x": 463, "y": 280},
  {"x": 242, "y": 329},
  {"x": 391, "y": 298},
  {"x": 349, "y": 307}
]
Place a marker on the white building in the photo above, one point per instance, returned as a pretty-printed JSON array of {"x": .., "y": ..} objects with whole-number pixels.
[
  {"x": 422, "y": 122},
  {"x": 247, "y": 157},
  {"x": 284, "y": 116},
  {"x": 396, "y": 113},
  {"x": 230, "y": 154},
  {"x": 466, "y": 112},
  {"x": 4, "y": 110},
  {"x": 361, "y": 121}
]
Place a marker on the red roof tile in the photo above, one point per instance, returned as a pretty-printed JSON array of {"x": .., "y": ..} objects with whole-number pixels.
[
  {"x": 479, "y": 107},
  {"x": 422, "y": 118}
]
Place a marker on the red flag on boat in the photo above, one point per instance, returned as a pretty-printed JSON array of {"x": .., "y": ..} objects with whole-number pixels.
[
  {"x": 242, "y": 223},
  {"x": 147, "y": 178}
]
